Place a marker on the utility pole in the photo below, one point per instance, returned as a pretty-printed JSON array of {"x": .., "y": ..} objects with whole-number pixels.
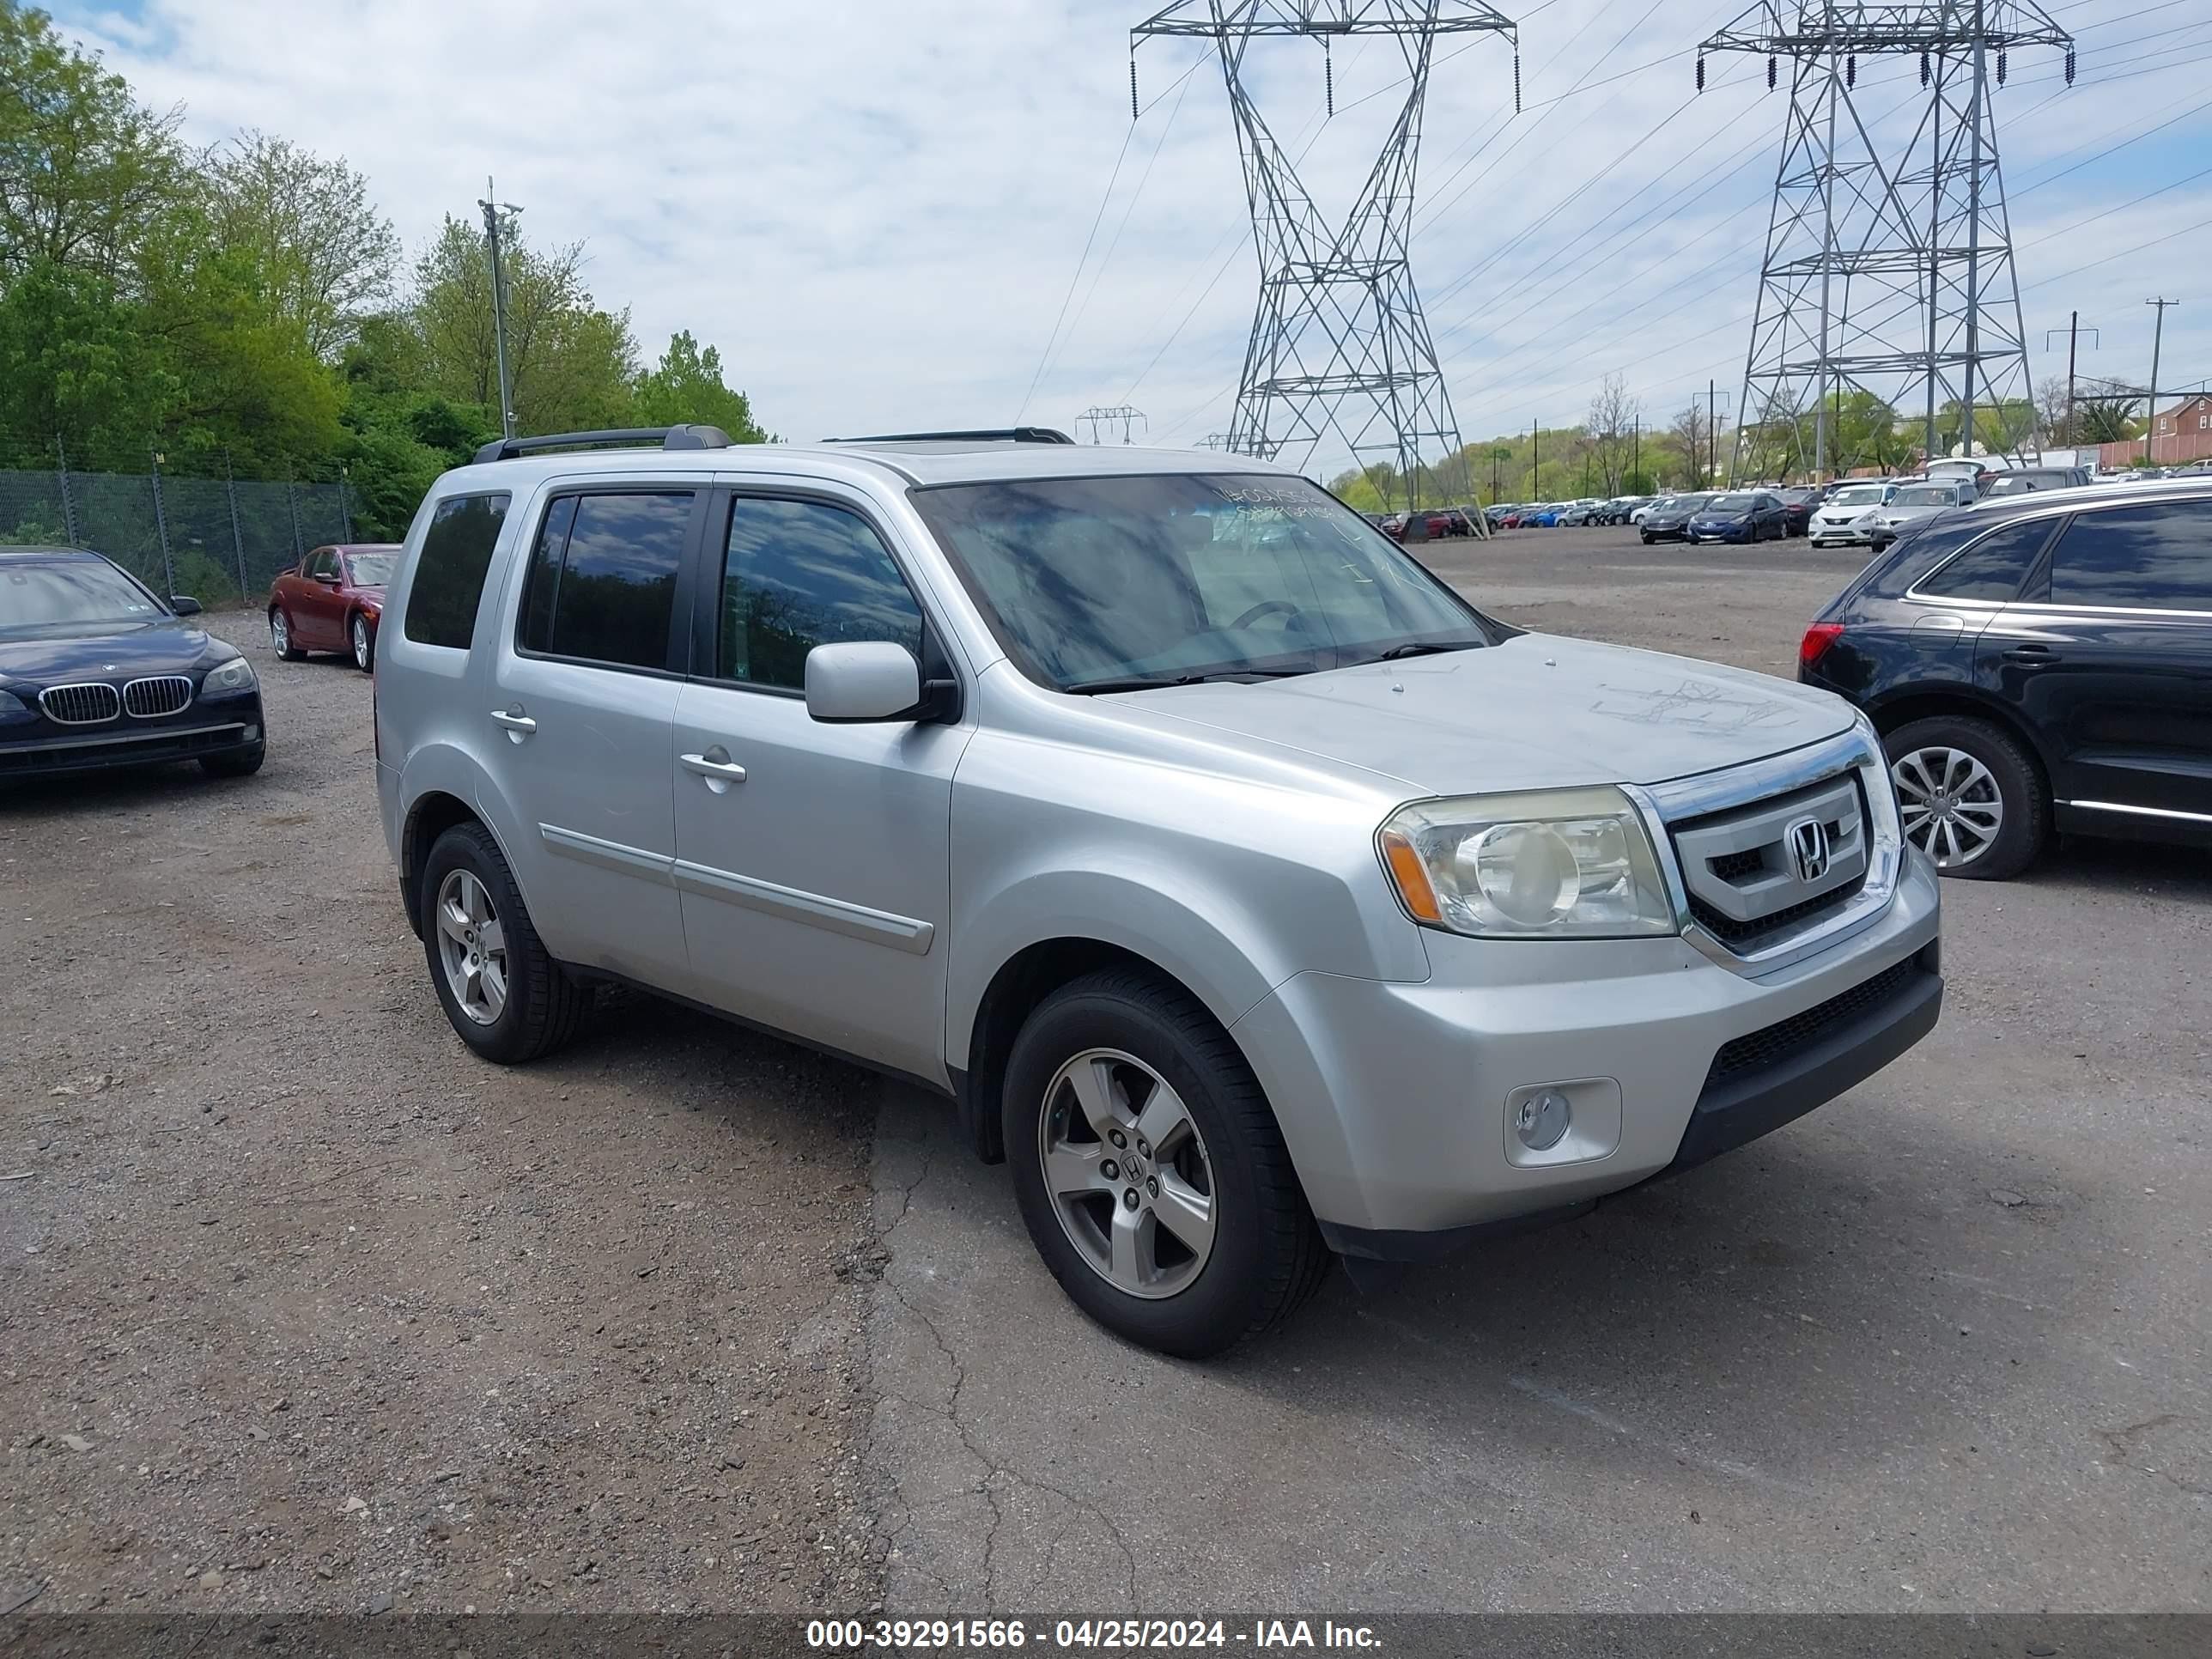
[
  {"x": 1099, "y": 418},
  {"x": 1712, "y": 436},
  {"x": 1536, "y": 457},
  {"x": 2073, "y": 340},
  {"x": 493, "y": 207},
  {"x": 1636, "y": 447},
  {"x": 2150, "y": 426}
]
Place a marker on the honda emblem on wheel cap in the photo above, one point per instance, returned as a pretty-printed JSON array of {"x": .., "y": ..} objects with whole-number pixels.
[{"x": 1808, "y": 848}]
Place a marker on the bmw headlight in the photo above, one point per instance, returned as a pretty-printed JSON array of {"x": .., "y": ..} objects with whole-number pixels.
[
  {"x": 236, "y": 675},
  {"x": 12, "y": 707},
  {"x": 1546, "y": 864}
]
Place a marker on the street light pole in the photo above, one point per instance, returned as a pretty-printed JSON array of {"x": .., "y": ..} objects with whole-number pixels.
[{"x": 492, "y": 208}]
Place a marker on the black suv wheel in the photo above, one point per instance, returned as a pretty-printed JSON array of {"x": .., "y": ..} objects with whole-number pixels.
[{"x": 1972, "y": 799}]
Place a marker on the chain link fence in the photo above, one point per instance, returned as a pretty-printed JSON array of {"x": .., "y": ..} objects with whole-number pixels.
[{"x": 221, "y": 540}]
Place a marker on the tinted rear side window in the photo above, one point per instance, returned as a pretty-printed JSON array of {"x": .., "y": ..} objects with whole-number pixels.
[
  {"x": 449, "y": 575},
  {"x": 2155, "y": 558},
  {"x": 1993, "y": 567},
  {"x": 602, "y": 585}
]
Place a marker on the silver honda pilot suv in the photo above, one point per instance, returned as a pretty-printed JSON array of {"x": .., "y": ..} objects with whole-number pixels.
[{"x": 1253, "y": 895}]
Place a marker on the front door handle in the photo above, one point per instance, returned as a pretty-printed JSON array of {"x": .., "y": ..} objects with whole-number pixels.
[
  {"x": 716, "y": 767},
  {"x": 2032, "y": 656},
  {"x": 519, "y": 726}
]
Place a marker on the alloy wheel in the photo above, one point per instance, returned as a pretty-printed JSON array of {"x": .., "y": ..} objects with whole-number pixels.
[
  {"x": 361, "y": 642},
  {"x": 1951, "y": 805},
  {"x": 473, "y": 945},
  {"x": 1128, "y": 1173},
  {"x": 280, "y": 633}
]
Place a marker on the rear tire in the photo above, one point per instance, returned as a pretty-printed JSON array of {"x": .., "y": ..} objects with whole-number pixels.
[
  {"x": 536, "y": 1006},
  {"x": 1133, "y": 1036},
  {"x": 1972, "y": 798}
]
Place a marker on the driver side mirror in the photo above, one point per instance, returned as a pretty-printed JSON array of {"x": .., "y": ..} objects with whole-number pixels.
[
  {"x": 328, "y": 578},
  {"x": 183, "y": 604},
  {"x": 862, "y": 682}
]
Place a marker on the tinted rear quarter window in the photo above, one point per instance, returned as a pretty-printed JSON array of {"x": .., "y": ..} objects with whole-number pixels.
[
  {"x": 1992, "y": 568},
  {"x": 449, "y": 573},
  {"x": 2155, "y": 557},
  {"x": 602, "y": 585}
]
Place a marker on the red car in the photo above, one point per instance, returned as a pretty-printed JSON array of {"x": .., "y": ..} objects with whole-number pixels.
[{"x": 331, "y": 600}]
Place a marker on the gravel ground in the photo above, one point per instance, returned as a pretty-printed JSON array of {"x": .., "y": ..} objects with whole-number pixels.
[{"x": 303, "y": 1307}]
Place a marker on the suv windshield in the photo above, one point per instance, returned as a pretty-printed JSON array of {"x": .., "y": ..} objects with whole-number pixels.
[
  {"x": 72, "y": 594},
  {"x": 1119, "y": 583}
]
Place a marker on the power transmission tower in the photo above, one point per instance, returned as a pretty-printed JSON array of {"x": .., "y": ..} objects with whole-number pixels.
[
  {"x": 1888, "y": 270},
  {"x": 1099, "y": 418},
  {"x": 1339, "y": 343}
]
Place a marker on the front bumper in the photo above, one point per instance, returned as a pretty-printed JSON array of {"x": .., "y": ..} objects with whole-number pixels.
[
  {"x": 1397, "y": 1099},
  {"x": 222, "y": 725},
  {"x": 1841, "y": 535}
]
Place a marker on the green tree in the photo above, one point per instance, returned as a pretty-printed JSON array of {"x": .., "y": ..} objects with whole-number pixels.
[
  {"x": 84, "y": 168},
  {"x": 327, "y": 256},
  {"x": 686, "y": 385},
  {"x": 570, "y": 364}
]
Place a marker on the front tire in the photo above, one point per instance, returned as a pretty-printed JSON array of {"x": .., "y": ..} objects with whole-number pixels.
[
  {"x": 1972, "y": 798},
  {"x": 363, "y": 638},
  {"x": 239, "y": 763},
  {"x": 1150, "y": 1170},
  {"x": 505, "y": 995},
  {"x": 280, "y": 638}
]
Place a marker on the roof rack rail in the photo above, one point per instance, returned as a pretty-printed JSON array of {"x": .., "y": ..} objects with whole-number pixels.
[
  {"x": 668, "y": 437},
  {"x": 1005, "y": 435}
]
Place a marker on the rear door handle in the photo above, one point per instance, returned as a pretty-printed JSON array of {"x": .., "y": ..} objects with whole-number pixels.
[
  {"x": 2032, "y": 656},
  {"x": 519, "y": 725},
  {"x": 715, "y": 767}
]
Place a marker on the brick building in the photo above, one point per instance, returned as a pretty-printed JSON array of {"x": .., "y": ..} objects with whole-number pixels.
[{"x": 2184, "y": 433}]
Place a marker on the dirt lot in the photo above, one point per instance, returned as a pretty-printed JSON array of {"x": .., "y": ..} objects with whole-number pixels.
[{"x": 302, "y": 1307}]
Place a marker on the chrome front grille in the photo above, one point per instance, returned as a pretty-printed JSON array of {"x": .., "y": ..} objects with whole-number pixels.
[
  {"x": 1761, "y": 872},
  {"x": 80, "y": 705},
  {"x": 164, "y": 694}
]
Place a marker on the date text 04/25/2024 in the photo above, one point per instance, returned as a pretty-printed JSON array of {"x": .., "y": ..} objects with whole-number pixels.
[{"x": 1083, "y": 1635}]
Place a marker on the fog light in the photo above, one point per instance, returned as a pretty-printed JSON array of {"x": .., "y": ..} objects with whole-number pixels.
[
  {"x": 252, "y": 732},
  {"x": 1541, "y": 1120}
]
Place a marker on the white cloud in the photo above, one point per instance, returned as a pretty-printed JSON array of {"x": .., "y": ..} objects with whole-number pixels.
[{"x": 875, "y": 210}]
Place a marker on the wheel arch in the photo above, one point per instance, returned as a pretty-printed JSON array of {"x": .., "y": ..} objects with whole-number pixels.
[
  {"x": 1902, "y": 708},
  {"x": 429, "y": 816}
]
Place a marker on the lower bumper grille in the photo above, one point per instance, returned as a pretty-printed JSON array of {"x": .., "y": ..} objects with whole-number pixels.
[{"x": 1771, "y": 1045}]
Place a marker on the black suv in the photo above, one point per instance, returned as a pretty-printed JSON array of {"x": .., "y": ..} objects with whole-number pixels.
[{"x": 2038, "y": 662}]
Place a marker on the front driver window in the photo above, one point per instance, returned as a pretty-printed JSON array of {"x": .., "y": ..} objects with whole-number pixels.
[{"x": 796, "y": 574}]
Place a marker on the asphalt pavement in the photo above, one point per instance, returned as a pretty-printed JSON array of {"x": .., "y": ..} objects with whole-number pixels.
[{"x": 1941, "y": 1346}]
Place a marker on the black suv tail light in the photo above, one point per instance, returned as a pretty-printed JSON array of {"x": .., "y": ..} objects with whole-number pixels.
[{"x": 1818, "y": 638}]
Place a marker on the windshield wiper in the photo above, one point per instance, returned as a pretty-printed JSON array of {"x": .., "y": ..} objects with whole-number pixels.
[
  {"x": 1425, "y": 648},
  {"x": 1157, "y": 682}
]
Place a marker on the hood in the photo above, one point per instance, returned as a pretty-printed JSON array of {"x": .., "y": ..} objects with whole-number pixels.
[
  {"x": 171, "y": 645},
  {"x": 1535, "y": 712},
  {"x": 1708, "y": 515},
  {"x": 1672, "y": 515}
]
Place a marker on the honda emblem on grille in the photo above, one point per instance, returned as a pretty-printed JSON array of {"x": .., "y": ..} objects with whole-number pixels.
[{"x": 1808, "y": 848}]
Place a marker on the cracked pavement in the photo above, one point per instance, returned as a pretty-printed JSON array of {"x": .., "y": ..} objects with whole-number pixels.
[{"x": 1941, "y": 1346}]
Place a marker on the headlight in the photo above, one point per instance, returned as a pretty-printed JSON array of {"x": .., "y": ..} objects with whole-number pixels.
[
  {"x": 1548, "y": 863},
  {"x": 236, "y": 675},
  {"x": 11, "y": 706},
  {"x": 1882, "y": 790}
]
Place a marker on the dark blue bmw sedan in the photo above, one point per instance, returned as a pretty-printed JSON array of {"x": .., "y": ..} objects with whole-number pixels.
[{"x": 95, "y": 672}]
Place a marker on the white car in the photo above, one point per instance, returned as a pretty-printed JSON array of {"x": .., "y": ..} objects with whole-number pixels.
[{"x": 1851, "y": 516}]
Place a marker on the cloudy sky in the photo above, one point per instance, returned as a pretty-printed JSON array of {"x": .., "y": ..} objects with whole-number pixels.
[{"x": 880, "y": 209}]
